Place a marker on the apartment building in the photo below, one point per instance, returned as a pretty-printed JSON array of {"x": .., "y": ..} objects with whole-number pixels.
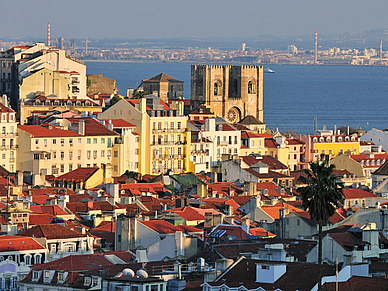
[
  {"x": 9, "y": 138},
  {"x": 165, "y": 140},
  {"x": 325, "y": 145},
  {"x": 40, "y": 61},
  {"x": 225, "y": 138},
  {"x": 52, "y": 150}
]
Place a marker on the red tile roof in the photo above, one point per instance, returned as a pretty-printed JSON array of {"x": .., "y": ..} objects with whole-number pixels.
[
  {"x": 273, "y": 211},
  {"x": 247, "y": 134},
  {"x": 294, "y": 141},
  {"x": 12, "y": 243},
  {"x": 78, "y": 175},
  {"x": 192, "y": 213},
  {"x": 48, "y": 209},
  {"x": 93, "y": 127},
  {"x": 118, "y": 123},
  {"x": 47, "y": 131},
  {"x": 271, "y": 143},
  {"x": 38, "y": 219},
  {"x": 356, "y": 193},
  {"x": 108, "y": 226},
  {"x": 164, "y": 227},
  {"x": 261, "y": 232},
  {"x": 51, "y": 231}
]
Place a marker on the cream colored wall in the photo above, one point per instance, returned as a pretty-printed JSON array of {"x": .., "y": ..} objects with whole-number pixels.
[
  {"x": 8, "y": 133},
  {"x": 46, "y": 81}
]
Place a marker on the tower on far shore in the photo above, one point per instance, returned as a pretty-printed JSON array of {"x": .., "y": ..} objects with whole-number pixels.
[{"x": 316, "y": 48}]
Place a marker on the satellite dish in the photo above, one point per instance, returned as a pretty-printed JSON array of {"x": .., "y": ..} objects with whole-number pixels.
[
  {"x": 128, "y": 272},
  {"x": 142, "y": 274}
]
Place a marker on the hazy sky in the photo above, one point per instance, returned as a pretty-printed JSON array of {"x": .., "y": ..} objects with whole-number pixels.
[{"x": 199, "y": 18}]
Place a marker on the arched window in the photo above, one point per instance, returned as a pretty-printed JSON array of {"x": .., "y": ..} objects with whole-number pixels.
[
  {"x": 215, "y": 89},
  {"x": 27, "y": 260},
  {"x": 250, "y": 87}
]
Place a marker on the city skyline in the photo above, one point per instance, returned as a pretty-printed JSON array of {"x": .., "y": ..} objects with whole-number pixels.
[{"x": 200, "y": 19}]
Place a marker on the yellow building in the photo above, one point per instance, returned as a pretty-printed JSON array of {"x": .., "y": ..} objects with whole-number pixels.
[
  {"x": 253, "y": 143},
  {"x": 165, "y": 141},
  {"x": 327, "y": 146},
  {"x": 51, "y": 150}
]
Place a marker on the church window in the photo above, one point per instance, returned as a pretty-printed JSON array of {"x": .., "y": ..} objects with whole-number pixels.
[
  {"x": 250, "y": 88},
  {"x": 215, "y": 89}
]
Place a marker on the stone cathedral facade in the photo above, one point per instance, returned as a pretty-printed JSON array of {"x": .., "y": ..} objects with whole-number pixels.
[{"x": 231, "y": 92}]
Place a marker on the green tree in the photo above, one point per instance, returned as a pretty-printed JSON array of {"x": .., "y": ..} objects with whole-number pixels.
[
  {"x": 139, "y": 94},
  {"x": 114, "y": 100},
  {"x": 320, "y": 197}
]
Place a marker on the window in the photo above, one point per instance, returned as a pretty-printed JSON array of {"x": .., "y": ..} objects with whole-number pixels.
[
  {"x": 71, "y": 142},
  {"x": 38, "y": 259},
  {"x": 47, "y": 274},
  {"x": 102, "y": 153},
  {"x": 87, "y": 281},
  {"x": 102, "y": 140},
  {"x": 95, "y": 154},
  {"x": 62, "y": 155},
  {"x": 36, "y": 141},
  {"x": 136, "y": 151},
  {"x": 115, "y": 154},
  {"x": 88, "y": 154},
  {"x": 27, "y": 260},
  {"x": 35, "y": 275},
  {"x": 80, "y": 140},
  {"x": 264, "y": 267},
  {"x": 235, "y": 140},
  {"x": 60, "y": 276},
  {"x": 215, "y": 89},
  {"x": 62, "y": 168},
  {"x": 62, "y": 142},
  {"x": 250, "y": 90},
  {"x": 88, "y": 141},
  {"x": 94, "y": 281},
  {"x": 36, "y": 156},
  {"x": 70, "y": 167},
  {"x": 179, "y": 125},
  {"x": 70, "y": 156},
  {"x": 94, "y": 140},
  {"x": 79, "y": 154}
]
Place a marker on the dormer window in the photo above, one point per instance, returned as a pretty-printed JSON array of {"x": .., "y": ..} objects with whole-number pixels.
[
  {"x": 61, "y": 277},
  {"x": 35, "y": 275},
  {"x": 347, "y": 138},
  {"x": 87, "y": 281},
  {"x": 46, "y": 274},
  {"x": 321, "y": 139},
  {"x": 352, "y": 138},
  {"x": 340, "y": 138},
  {"x": 315, "y": 139}
]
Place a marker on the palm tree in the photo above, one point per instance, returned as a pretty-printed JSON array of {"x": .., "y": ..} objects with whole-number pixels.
[{"x": 320, "y": 197}]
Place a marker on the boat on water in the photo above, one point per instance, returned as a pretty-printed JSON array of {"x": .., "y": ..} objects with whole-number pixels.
[{"x": 268, "y": 70}]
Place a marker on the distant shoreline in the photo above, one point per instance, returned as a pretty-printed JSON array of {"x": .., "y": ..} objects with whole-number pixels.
[{"x": 224, "y": 63}]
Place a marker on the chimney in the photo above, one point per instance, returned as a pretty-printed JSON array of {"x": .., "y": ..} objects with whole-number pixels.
[
  {"x": 110, "y": 125},
  {"x": 82, "y": 127}
]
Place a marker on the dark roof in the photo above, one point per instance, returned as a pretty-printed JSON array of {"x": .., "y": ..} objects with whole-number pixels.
[
  {"x": 250, "y": 119},
  {"x": 162, "y": 77},
  {"x": 357, "y": 283},
  {"x": 383, "y": 170}
]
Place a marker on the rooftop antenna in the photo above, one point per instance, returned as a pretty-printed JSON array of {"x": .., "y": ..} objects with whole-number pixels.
[
  {"x": 48, "y": 34},
  {"x": 315, "y": 123}
]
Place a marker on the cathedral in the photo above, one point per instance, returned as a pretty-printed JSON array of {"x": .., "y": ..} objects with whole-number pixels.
[{"x": 231, "y": 92}]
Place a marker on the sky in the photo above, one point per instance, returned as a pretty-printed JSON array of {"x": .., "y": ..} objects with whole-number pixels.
[{"x": 183, "y": 18}]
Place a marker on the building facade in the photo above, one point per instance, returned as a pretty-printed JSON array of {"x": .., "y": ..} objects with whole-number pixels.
[{"x": 231, "y": 92}]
